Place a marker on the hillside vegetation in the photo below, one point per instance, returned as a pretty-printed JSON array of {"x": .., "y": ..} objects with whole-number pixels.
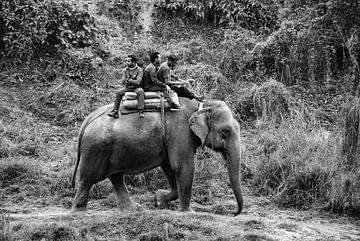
[{"x": 288, "y": 69}]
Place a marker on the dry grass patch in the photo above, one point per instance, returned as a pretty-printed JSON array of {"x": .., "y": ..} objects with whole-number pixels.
[{"x": 138, "y": 225}]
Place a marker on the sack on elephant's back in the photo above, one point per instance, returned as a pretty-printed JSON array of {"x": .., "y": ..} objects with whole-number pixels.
[
  {"x": 152, "y": 100},
  {"x": 148, "y": 95}
]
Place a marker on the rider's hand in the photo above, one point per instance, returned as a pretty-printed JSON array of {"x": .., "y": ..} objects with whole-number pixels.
[{"x": 190, "y": 81}]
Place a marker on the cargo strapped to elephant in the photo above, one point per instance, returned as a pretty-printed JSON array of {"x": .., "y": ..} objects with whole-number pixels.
[{"x": 152, "y": 102}]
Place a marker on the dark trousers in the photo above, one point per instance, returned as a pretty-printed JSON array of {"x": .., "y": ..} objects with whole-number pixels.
[
  {"x": 182, "y": 91},
  {"x": 162, "y": 89},
  {"x": 140, "y": 95}
]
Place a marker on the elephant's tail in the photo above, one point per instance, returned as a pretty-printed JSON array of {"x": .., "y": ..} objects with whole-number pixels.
[
  {"x": 81, "y": 133},
  {"x": 77, "y": 159}
]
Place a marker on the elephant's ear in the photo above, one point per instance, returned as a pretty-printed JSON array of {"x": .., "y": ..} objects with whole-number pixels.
[{"x": 199, "y": 124}]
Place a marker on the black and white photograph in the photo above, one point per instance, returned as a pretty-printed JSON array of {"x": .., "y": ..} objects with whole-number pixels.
[{"x": 161, "y": 120}]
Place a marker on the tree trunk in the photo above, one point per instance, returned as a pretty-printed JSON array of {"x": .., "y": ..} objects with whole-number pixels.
[{"x": 311, "y": 73}]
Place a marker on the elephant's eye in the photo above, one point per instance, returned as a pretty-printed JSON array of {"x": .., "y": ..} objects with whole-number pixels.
[{"x": 225, "y": 132}]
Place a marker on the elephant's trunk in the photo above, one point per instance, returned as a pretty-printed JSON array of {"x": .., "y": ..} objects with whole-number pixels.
[{"x": 232, "y": 156}]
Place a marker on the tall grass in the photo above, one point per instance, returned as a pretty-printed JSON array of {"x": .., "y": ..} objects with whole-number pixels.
[
  {"x": 351, "y": 133},
  {"x": 300, "y": 164},
  {"x": 5, "y": 233}
]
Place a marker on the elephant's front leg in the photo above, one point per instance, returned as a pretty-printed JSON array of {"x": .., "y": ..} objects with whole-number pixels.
[
  {"x": 184, "y": 177},
  {"x": 162, "y": 197},
  {"x": 122, "y": 195}
]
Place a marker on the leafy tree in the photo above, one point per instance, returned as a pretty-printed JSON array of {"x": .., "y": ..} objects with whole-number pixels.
[
  {"x": 31, "y": 27},
  {"x": 250, "y": 14}
]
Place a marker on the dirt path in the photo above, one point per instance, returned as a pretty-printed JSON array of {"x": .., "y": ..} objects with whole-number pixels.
[{"x": 260, "y": 220}]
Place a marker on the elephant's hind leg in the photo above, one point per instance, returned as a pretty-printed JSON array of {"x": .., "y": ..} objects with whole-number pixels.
[
  {"x": 92, "y": 169},
  {"x": 122, "y": 195},
  {"x": 162, "y": 197},
  {"x": 82, "y": 196}
]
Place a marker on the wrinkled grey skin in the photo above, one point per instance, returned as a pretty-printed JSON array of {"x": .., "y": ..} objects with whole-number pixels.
[{"x": 110, "y": 148}]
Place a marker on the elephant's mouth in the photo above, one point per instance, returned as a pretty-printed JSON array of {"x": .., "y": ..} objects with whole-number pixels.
[{"x": 224, "y": 150}]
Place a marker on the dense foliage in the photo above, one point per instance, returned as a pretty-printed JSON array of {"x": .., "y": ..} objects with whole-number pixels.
[
  {"x": 29, "y": 28},
  {"x": 249, "y": 14},
  {"x": 311, "y": 43}
]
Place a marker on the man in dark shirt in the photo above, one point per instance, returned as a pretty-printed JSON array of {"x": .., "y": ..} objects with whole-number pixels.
[
  {"x": 131, "y": 79},
  {"x": 151, "y": 81},
  {"x": 176, "y": 84}
]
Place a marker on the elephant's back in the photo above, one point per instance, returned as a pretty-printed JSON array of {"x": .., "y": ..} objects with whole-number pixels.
[{"x": 132, "y": 125}]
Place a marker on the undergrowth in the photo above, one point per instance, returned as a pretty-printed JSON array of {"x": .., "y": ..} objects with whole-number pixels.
[
  {"x": 148, "y": 226},
  {"x": 290, "y": 156},
  {"x": 300, "y": 165}
]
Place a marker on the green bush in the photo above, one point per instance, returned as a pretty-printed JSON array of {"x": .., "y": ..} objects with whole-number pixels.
[
  {"x": 5, "y": 234},
  {"x": 210, "y": 80},
  {"x": 31, "y": 27},
  {"x": 250, "y": 14},
  {"x": 344, "y": 193},
  {"x": 270, "y": 101},
  {"x": 297, "y": 170},
  {"x": 300, "y": 165}
]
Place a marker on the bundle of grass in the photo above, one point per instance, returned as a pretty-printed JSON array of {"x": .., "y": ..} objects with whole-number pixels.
[
  {"x": 269, "y": 101},
  {"x": 351, "y": 133}
]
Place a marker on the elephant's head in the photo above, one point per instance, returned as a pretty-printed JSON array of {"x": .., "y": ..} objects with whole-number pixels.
[{"x": 216, "y": 127}]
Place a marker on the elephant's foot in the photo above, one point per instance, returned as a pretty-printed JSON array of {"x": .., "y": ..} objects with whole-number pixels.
[
  {"x": 160, "y": 200},
  {"x": 78, "y": 209},
  {"x": 129, "y": 206},
  {"x": 185, "y": 211}
]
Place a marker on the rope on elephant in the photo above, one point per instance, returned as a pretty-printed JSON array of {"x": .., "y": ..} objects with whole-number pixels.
[
  {"x": 162, "y": 117},
  {"x": 99, "y": 115},
  {"x": 212, "y": 128}
]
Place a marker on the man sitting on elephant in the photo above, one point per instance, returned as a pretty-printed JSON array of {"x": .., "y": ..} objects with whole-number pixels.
[
  {"x": 132, "y": 80},
  {"x": 177, "y": 85},
  {"x": 151, "y": 81}
]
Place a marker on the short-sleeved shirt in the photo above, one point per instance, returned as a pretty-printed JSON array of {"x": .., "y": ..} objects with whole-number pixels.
[
  {"x": 150, "y": 77},
  {"x": 132, "y": 74},
  {"x": 164, "y": 73}
]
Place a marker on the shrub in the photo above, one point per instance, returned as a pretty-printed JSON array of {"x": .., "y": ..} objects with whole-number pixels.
[
  {"x": 268, "y": 101},
  {"x": 250, "y": 14},
  {"x": 235, "y": 61},
  {"x": 9, "y": 173},
  {"x": 344, "y": 194},
  {"x": 300, "y": 164},
  {"x": 5, "y": 234},
  {"x": 32, "y": 27},
  {"x": 351, "y": 133},
  {"x": 62, "y": 103},
  {"x": 209, "y": 80}
]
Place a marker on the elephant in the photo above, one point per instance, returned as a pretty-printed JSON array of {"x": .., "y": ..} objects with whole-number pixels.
[{"x": 110, "y": 147}]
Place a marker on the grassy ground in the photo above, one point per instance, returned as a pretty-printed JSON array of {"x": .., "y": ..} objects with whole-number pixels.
[{"x": 294, "y": 176}]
